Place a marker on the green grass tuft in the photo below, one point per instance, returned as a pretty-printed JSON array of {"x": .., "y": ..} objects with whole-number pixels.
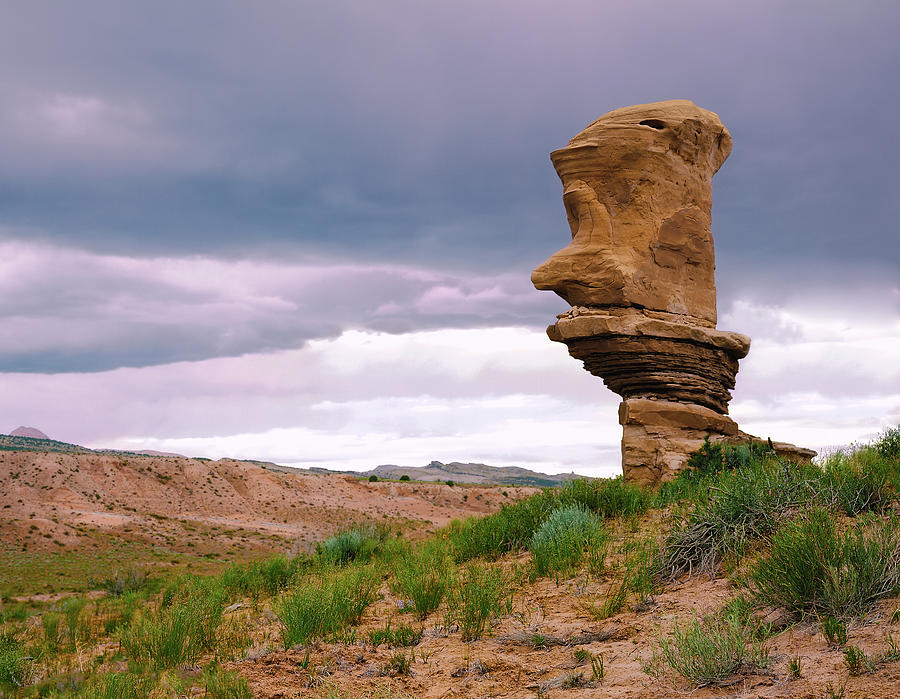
[
  {"x": 510, "y": 529},
  {"x": 424, "y": 576},
  {"x": 606, "y": 497},
  {"x": 13, "y": 662},
  {"x": 174, "y": 635},
  {"x": 480, "y": 595},
  {"x": 265, "y": 577},
  {"x": 855, "y": 482},
  {"x": 326, "y": 604},
  {"x": 710, "y": 650},
  {"x": 116, "y": 685},
  {"x": 221, "y": 684},
  {"x": 560, "y": 543},
  {"x": 357, "y": 544},
  {"x": 399, "y": 637},
  {"x": 812, "y": 567},
  {"x": 834, "y": 630},
  {"x": 746, "y": 505},
  {"x": 888, "y": 444}
]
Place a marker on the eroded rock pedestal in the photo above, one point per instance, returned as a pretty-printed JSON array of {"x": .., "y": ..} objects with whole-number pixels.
[{"x": 639, "y": 274}]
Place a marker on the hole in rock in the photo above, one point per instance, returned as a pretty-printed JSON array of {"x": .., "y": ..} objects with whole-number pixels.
[{"x": 653, "y": 123}]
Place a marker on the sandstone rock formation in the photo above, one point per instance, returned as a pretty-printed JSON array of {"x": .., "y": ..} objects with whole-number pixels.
[{"x": 639, "y": 274}]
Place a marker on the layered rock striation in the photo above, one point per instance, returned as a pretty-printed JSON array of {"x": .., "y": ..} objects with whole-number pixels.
[{"x": 639, "y": 273}]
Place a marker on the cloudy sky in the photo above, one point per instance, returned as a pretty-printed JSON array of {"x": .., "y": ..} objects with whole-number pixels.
[{"x": 303, "y": 231}]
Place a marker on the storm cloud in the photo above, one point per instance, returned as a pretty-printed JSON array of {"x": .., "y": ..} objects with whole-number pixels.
[
  {"x": 69, "y": 310},
  {"x": 215, "y": 189},
  {"x": 420, "y": 131}
]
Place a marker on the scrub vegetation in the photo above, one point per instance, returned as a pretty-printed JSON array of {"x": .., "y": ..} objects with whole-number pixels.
[{"x": 813, "y": 544}]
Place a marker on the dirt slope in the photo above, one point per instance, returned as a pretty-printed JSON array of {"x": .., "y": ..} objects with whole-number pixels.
[{"x": 57, "y": 500}]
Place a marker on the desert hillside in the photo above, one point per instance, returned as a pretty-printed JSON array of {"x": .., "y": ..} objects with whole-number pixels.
[{"x": 65, "y": 502}]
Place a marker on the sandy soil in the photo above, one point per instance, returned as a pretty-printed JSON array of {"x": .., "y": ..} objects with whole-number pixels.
[{"x": 506, "y": 664}]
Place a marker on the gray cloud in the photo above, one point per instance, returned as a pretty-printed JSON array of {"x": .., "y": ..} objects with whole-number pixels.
[
  {"x": 420, "y": 132},
  {"x": 68, "y": 310}
]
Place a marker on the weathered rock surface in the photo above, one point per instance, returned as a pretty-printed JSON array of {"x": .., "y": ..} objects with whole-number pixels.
[
  {"x": 640, "y": 275},
  {"x": 637, "y": 191},
  {"x": 646, "y": 357}
]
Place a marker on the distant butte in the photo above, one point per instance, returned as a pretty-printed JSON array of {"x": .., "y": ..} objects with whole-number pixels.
[{"x": 31, "y": 432}]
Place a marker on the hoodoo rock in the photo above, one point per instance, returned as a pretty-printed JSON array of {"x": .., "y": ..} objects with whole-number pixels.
[{"x": 640, "y": 276}]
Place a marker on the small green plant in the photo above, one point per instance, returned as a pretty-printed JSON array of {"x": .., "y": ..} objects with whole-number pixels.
[
  {"x": 450, "y": 483},
  {"x": 573, "y": 680},
  {"x": 181, "y": 633},
  {"x": 76, "y": 629},
  {"x": 265, "y": 577},
  {"x": 888, "y": 444},
  {"x": 709, "y": 650},
  {"x": 716, "y": 458},
  {"x": 597, "y": 669},
  {"x": 404, "y": 477},
  {"x": 50, "y": 624},
  {"x": 399, "y": 637},
  {"x": 613, "y": 602},
  {"x": 581, "y": 655},
  {"x": 795, "y": 667},
  {"x": 12, "y": 612},
  {"x": 13, "y": 662},
  {"x": 642, "y": 568},
  {"x": 373, "y": 478},
  {"x": 559, "y": 544},
  {"x": 640, "y": 575},
  {"x": 221, "y": 684},
  {"x": 832, "y": 693},
  {"x": 116, "y": 685},
  {"x": 893, "y": 649},
  {"x": 834, "y": 630},
  {"x": 357, "y": 544},
  {"x": 606, "y": 497},
  {"x": 424, "y": 576},
  {"x": 400, "y": 664},
  {"x": 813, "y": 568},
  {"x": 478, "y": 597},
  {"x": 326, "y": 604},
  {"x": 343, "y": 637},
  {"x": 857, "y": 661},
  {"x": 537, "y": 641}
]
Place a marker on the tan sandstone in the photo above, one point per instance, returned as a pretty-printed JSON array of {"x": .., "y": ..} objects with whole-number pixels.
[{"x": 640, "y": 275}]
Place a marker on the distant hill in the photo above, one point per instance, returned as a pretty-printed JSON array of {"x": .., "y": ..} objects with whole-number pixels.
[
  {"x": 32, "y": 432},
  {"x": 11, "y": 442},
  {"x": 435, "y": 471},
  {"x": 465, "y": 473},
  {"x": 17, "y": 441},
  {"x": 66, "y": 502}
]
